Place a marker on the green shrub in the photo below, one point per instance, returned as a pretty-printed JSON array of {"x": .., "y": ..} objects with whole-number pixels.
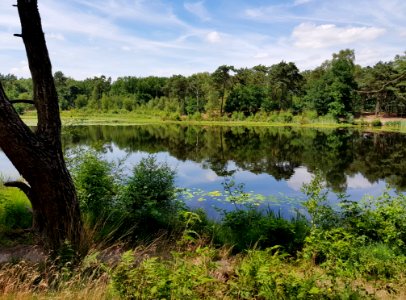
[
  {"x": 184, "y": 276},
  {"x": 269, "y": 274},
  {"x": 380, "y": 261},
  {"x": 376, "y": 123},
  {"x": 244, "y": 229},
  {"x": 96, "y": 186},
  {"x": 149, "y": 196},
  {"x": 365, "y": 238},
  {"x": 363, "y": 122}
]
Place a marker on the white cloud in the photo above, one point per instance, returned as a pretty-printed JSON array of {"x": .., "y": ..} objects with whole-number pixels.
[
  {"x": 55, "y": 36},
  {"x": 261, "y": 55},
  {"x": 309, "y": 35},
  {"x": 300, "y": 177},
  {"x": 358, "y": 182},
  {"x": 198, "y": 9},
  {"x": 213, "y": 37},
  {"x": 300, "y": 2},
  {"x": 22, "y": 70}
]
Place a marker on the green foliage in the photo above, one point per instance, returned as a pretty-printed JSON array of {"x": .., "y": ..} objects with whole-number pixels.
[
  {"x": 185, "y": 275},
  {"x": 246, "y": 99},
  {"x": 333, "y": 91},
  {"x": 376, "y": 123},
  {"x": 360, "y": 239},
  {"x": 249, "y": 227},
  {"x": 393, "y": 123},
  {"x": 149, "y": 196},
  {"x": 269, "y": 274},
  {"x": 96, "y": 186},
  {"x": 15, "y": 210}
]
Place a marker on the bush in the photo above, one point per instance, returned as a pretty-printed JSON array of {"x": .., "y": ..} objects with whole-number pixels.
[
  {"x": 149, "y": 196},
  {"x": 244, "y": 229},
  {"x": 95, "y": 185},
  {"x": 184, "y": 276},
  {"x": 376, "y": 123},
  {"x": 286, "y": 116}
]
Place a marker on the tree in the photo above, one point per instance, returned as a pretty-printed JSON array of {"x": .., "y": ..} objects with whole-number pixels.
[
  {"x": 286, "y": 82},
  {"x": 222, "y": 82},
  {"x": 333, "y": 90},
  {"x": 37, "y": 154},
  {"x": 246, "y": 99},
  {"x": 176, "y": 87},
  {"x": 198, "y": 88}
]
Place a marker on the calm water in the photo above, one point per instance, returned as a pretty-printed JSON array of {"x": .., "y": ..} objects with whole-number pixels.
[{"x": 269, "y": 161}]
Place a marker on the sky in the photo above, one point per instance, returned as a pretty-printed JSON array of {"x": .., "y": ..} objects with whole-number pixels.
[{"x": 117, "y": 38}]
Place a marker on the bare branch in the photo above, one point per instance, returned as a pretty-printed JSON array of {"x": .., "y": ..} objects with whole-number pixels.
[
  {"x": 25, "y": 188},
  {"x": 26, "y": 101},
  {"x": 384, "y": 86}
]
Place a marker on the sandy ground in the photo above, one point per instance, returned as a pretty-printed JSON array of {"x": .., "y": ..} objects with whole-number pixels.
[{"x": 383, "y": 117}]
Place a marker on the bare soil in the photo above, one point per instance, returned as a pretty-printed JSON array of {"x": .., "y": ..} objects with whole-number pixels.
[{"x": 383, "y": 117}]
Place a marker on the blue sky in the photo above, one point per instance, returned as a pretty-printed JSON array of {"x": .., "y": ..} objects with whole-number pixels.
[{"x": 154, "y": 37}]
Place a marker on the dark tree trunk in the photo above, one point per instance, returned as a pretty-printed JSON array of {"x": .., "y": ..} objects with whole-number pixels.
[{"x": 38, "y": 155}]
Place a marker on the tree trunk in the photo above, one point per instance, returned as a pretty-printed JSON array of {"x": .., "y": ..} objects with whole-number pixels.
[{"x": 37, "y": 155}]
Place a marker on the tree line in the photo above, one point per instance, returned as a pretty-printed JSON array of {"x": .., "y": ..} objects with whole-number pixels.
[{"x": 338, "y": 87}]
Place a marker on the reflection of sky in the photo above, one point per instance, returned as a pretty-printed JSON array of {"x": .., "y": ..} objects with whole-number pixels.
[
  {"x": 7, "y": 170},
  {"x": 192, "y": 175}
]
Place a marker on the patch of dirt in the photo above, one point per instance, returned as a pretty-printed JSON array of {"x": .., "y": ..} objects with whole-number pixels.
[
  {"x": 31, "y": 253},
  {"x": 383, "y": 117}
]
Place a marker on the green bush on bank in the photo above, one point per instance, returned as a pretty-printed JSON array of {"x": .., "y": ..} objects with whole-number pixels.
[
  {"x": 249, "y": 227},
  {"x": 149, "y": 197}
]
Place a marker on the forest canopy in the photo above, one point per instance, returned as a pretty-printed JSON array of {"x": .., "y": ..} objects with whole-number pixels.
[{"x": 339, "y": 88}]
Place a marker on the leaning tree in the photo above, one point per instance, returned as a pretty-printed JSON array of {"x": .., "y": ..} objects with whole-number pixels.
[{"x": 37, "y": 153}]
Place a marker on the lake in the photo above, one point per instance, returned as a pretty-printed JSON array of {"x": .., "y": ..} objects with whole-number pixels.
[{"x": 271, "y": 161}]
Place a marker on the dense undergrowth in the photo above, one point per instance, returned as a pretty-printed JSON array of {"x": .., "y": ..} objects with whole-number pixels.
[{"x": 146, "y": 244}]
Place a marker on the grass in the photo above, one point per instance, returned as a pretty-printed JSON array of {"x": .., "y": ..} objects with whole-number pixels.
[
  {"x": 195, "y": 270},
  {"x": 15, "y": 214},
  {"x": 157, "y": 117}
]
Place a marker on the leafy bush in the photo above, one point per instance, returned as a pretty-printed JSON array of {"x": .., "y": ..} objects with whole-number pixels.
[
  {"x": 376, "y": 123},
  {"x": 244, "y": 229},
  {"x": 185, "y": 275},
  {"x": 365, "y": 238},
  {"x": 203, "y": 274},
  {"x": 149, "y": 196},
  {"x": 95, "y": 185}
]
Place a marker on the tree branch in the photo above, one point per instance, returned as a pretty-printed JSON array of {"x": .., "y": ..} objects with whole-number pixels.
[
  {"x": 384, "y": 86},
  {"x": 16, "y": 138},
  {"x": 25, "y": 188},
  {"x": 45, "y": 95},
  {"x": 21, "y": 101}
]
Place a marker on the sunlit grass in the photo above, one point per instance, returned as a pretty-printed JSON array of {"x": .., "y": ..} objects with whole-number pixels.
[{"x": 15, "y": 210}]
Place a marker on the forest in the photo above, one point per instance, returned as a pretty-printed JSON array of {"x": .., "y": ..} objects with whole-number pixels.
[
  {"x": 338, "y": 88},
  {"x": 77, "y": 226}
]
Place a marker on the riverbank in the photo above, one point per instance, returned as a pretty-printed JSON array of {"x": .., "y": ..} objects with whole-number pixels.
[{"x": 367, "y": 122}]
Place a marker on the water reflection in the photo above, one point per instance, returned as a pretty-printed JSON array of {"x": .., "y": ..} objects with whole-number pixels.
[
  {"x": 339, "y": 154},
  {"x": 268, "y": 160}
]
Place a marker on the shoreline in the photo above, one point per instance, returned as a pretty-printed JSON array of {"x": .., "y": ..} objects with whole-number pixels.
[{"x": 75, "y": 119}]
